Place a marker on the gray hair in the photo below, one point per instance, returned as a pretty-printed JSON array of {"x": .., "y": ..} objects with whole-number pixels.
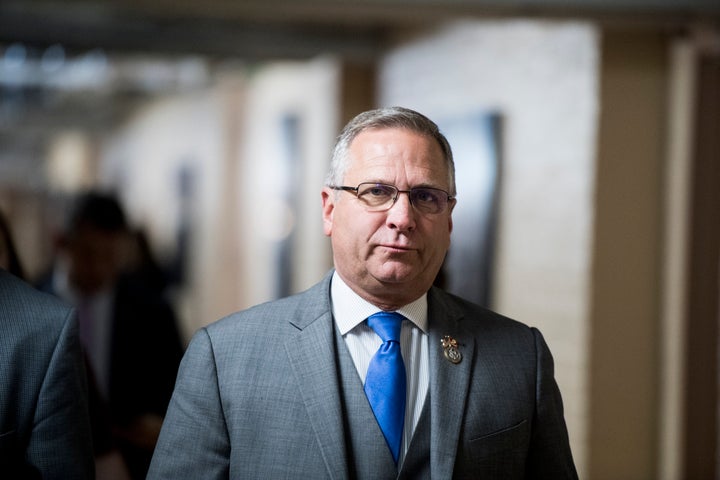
[{"x": 389, "y": 117}]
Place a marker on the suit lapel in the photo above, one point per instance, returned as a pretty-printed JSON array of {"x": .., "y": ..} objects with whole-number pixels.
[
  {"x": 449, "y": 382},
  {"x": 312, "y": 358}
]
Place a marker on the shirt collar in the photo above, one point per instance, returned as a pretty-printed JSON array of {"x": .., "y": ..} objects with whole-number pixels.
[
  {"x": 349, "y": 309},
  {"x": 62, "y": 287}
]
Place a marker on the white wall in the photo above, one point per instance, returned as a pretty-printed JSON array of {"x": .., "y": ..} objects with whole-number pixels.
[
  {"x": 308, "y": 91},
  {"x": 541, "y": 77},
  {"x": 143, "y": 160},
  {"x": 229, "y": 136}
]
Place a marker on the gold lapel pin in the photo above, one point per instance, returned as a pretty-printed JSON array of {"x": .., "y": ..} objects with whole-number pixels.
[{"x": 450, "y": 349}]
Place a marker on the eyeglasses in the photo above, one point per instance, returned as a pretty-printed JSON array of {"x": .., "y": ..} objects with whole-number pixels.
[{"x": 379, "y": 197}]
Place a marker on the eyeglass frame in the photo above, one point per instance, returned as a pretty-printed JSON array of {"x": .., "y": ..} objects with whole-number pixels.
[{"x": 356, "y": 190}]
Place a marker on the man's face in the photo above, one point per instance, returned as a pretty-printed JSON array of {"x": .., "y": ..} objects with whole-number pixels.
[
  {"x": 4, "y": 254},
  {"x": 390, "y": 258},
  {"x": 95, "y": 258}
]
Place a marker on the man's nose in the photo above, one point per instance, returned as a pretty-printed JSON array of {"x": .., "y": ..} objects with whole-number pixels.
[{"x": 401, "y": 214}]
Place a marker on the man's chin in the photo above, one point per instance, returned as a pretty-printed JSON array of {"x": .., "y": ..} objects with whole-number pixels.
[{"x": 398, "y": 277}]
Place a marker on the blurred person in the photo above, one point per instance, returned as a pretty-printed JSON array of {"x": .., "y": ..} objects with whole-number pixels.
[
  {"x": 372, "y": 373},
  {"x": 44, "y": 421},
  {"x": 142, "y": 267},
  {"x": 129, "y": 333},
  {"x": 9, "y": 258}
]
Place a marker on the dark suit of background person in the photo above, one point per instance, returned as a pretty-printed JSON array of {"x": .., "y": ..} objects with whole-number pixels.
[
  {"x": 134, "y": 363},
  {"x": 276, "y": 391},
  {"x": 9, "y": 258},
  {"x": 44, "y": 423}
]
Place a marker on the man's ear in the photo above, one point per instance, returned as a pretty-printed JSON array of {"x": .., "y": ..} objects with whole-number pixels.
[
  {"x": 450, "y": 220},
  {"x": 328, "y": 207}
]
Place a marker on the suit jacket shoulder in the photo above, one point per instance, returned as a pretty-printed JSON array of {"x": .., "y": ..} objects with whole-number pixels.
[
  {"x": 44, "y": 425},
  {"x": 277, "y": 318},
  {"x": 478, "y": 317}
]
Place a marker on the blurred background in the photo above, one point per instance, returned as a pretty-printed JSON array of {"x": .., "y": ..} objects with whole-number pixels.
[{"x": 588, "y": 143}]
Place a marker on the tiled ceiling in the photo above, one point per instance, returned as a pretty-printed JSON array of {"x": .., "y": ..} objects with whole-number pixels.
[
  {"x": 292, "y": 28},
  {"x": 85, "y": 63}
]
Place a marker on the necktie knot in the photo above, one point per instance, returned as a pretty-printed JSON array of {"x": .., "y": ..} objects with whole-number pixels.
[{"x": 387, "y": 325}]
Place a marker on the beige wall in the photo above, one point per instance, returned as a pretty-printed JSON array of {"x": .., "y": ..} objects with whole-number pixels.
[
  {"x": 625, "y": 328},
  {"x": 230, "y": 137}
]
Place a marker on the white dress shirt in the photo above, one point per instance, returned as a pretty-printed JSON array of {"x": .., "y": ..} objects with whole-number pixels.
[
  {"x": 95, "y": 317},
  {"x": 350, "y": 312}
]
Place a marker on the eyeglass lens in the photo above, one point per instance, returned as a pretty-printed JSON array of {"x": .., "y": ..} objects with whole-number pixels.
[{"x": 381, "y": 197}]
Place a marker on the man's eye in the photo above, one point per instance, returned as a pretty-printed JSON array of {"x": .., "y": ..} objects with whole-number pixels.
[
  {"x": 425, "y": 196},
  {"x": 379, "y": 192}
]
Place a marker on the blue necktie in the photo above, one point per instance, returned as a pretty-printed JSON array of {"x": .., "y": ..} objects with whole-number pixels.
[{"x": 385, "y": 383}]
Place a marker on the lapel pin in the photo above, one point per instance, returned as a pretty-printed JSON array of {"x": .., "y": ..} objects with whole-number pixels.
[{"x": 450, "y": 349}]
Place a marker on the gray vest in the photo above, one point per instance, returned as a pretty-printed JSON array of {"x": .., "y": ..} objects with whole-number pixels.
[{"x": 368, "y": 455}]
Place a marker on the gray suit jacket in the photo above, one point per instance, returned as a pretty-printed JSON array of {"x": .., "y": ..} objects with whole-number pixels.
[
  {"x": 44, "y": 424},
  {"x": 259, "y": 396}
]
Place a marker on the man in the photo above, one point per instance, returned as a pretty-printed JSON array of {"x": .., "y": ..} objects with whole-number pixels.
[
  {"x": 290, "y": 389},
  {"x": 129, "y": 333},
  {"x": 9, "y": 258},
  {"x": 44, "y": 423}
]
